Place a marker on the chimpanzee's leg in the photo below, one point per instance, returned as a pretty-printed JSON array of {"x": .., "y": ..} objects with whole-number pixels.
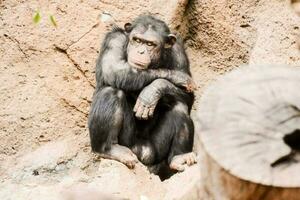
[
  {"x": 112, "y": 126},
  {"x": 182, "y": 143},
  {"x": 172, "y": 136}
]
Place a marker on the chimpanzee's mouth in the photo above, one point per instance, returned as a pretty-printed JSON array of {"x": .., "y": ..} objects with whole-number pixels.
[{"x": 138, "y": 65}]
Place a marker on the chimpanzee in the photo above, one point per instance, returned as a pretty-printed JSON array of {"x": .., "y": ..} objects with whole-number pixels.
[{"x": 143, "y": 97}]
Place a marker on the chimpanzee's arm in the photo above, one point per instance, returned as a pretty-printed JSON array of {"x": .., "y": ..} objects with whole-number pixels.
[
  {"x": 113, "y": 69},
  {"x": 151, "y": 94}
]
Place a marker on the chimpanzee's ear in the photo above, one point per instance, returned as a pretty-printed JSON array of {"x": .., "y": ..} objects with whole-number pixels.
[
  {"x": 128, "y": 27},
  {"x": 171, "y": 40}
]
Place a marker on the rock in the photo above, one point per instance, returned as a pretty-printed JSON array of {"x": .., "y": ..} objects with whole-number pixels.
[{"x": 48, "y": 77}]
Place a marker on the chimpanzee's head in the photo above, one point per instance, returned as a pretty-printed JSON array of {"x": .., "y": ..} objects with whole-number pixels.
[{"x": 148, "y": 39}]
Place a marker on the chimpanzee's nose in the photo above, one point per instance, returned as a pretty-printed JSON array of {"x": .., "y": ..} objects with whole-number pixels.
[{"x": 141, "y": 51}]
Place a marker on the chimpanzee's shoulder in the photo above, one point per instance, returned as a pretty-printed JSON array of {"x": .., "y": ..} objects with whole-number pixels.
[
  {"x": 115, "y": 32},
  {"x": 114, "y": 39}
]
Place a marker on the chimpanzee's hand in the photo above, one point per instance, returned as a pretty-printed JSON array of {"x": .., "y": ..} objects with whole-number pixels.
[
  {"x": 147, "y": 101},
  {"x": 184, "y": 80}
]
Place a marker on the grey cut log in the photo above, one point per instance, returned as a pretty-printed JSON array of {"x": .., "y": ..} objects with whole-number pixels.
[{"x": 250, "y": 130}]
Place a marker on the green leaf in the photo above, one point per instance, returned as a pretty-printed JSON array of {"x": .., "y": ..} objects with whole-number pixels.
[
  {"x": 37, "y": 17},
  {"x": 53, "y": 21}
]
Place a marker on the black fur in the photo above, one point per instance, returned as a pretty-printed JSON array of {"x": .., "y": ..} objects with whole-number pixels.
[{"x": 118, "y": 88}]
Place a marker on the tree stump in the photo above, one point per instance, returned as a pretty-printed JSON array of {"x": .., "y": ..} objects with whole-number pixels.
[{"x": 250, "y": 129}]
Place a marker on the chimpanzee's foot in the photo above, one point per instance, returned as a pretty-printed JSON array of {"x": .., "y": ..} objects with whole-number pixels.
[
  {"x": 178, "y": 162},
  {"x": 122, "y": 154}
]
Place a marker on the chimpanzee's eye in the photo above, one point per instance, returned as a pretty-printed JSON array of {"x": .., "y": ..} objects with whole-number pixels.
[
  {"x": 150, "y": 44},
  {"x": 137, "y": 40}
]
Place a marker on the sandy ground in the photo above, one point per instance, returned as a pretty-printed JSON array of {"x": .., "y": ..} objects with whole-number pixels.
[{"x": 47, "y": 81}]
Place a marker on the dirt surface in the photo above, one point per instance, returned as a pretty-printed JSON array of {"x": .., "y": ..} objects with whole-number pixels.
[{"x": 47, "y": 80}]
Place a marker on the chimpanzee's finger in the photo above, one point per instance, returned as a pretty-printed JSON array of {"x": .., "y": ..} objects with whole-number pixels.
[
  {"x": 191, "y": 87},
  {"x": 187, "y": 88},
  {"x": 137, "y": 104},
  {"x": 145, "y": 113},
  {"x": 151, "y": 111},
  {"x": 139, "y": 111}
]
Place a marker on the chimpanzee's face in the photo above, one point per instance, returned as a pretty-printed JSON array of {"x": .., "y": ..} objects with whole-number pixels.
[{"x": 145, "y": 47}]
